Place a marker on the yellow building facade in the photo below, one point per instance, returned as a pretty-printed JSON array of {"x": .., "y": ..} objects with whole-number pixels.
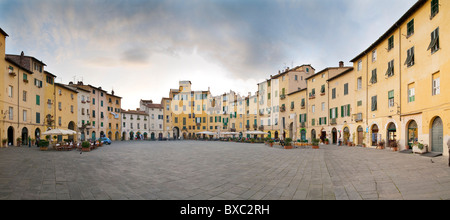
[
  {"x": 66, "y": 109},
  {"x": 23, "y": 105},
  {"x": 400, "y": 76}
]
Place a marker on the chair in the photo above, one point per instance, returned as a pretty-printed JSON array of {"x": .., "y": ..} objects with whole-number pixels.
[{"x": 58, "y": 147}]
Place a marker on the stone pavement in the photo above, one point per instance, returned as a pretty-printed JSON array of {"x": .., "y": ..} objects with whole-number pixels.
[{"x": 200, "y": 170}]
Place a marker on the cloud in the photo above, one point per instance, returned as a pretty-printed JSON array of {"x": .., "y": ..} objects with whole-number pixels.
[{"x": 241, "y": 40}]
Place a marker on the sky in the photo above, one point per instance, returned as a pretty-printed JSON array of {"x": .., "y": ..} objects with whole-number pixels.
[{"x": 142, "y": 48}]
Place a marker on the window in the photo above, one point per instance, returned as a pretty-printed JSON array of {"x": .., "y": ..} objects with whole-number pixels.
[
  {"x": 359, "y": 83},
  {"x": 391, "y": 42},
  {"x": 38, "y": 117},
  {"x": 313, "y": 108},
  {"x": 38, "y": 100},
  {"x": 434, "y": 8},
  {"x": 333, "y": 113},
  {"x": 373, "y": 79},
  {"x": 24, "y": 115},
  {"x": 411, "y": 93},
  {"x": 434, "y": 44},
  {"x": 10, "y": 91},
  {"x": 410, "y": 57},
  {"x": 410, "y": 28},
  {"x": 11, "y": 113},
  {"x": 345, "y": 111},
  {"x": 333, "y": 93},
  {"x": 346, "y": 89},
  {"x": 359, "y": 103},
  {"x": 374, "y": 103},
  {"x": 391, "y": 98},
  {"x": 436, "y": 84},
  {"x": 390, "y": 70},
  {"x": 359, "y": 65},
  {"x": 323, "y": 106},
  {"x": 374, "y": 55},
  {"x": 59, "y": 106}
]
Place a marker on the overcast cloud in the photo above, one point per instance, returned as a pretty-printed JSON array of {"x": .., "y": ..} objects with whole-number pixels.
[{"x": 143, "y": 48}]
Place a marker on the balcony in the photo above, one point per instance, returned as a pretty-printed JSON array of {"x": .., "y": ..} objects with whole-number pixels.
[
  {"x": 282, "y": 108},
  {"x": 358, "y": 117},
  {"x": 303, "y": 125},
  {"x": 261, "y": 127},
  {"x": 333, "y": 121},
  {"x": 282, "y": 96}
]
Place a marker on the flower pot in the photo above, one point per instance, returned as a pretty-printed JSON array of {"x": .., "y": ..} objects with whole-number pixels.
[
  {"x": 43, "y": 148},
  {"x": 315, "y": 147},
  {"x": 288, "y": 147},
  {"x": 85, "y": 149},
  {"x": 271, "y": 144},
  {"x": 394, "y": 149}
]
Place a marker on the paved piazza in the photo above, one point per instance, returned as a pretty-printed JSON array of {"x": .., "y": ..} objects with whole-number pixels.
[{"x": 199, "y": 170}]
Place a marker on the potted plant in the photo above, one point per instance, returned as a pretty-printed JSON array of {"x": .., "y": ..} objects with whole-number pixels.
[
  {"x": 19, "y": 142},
  {"x": 381, "y": 144},
  {"x": 86, "y": 146},
  {"x": 43, "y": 145},
  {"x": 288, "y": 143},
  {"x": 315, "y": 143},
  {"x": 394, "y": 145},
  {"x": 419, "y": 148},
  {"x": 270, "y": 142},
  {"x": 327, "y": 141},
  {"x": 4, "y": 140}
]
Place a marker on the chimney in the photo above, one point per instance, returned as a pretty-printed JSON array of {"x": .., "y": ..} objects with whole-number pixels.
[
  {"x": 341, "y": 63},
  {"x": 112, "y": 92}
]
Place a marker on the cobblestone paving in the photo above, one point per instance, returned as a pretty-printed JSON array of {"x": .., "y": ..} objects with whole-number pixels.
[{"x": 199, "y": 170}]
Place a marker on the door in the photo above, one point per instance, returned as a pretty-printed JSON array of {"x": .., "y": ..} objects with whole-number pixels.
[
  {"x": 303, "y": 135},
  {"x": 360, "y": 135},
  {"x": 437, "y": 134}
]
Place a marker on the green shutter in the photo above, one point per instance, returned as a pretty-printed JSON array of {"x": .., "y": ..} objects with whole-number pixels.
[
  {"x": 342, "y": 111},
  {"x": 331, "y": 113},
  {"x": 38, "y": 100},
  {"x": 324, "y": 120},
  {"x": 348, "y": 110}
]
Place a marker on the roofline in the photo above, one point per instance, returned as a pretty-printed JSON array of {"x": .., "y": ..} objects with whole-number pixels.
[
  {"x": 326, "y": 69},
  {"x": 297, "y": 91},
  {"x": 21, "y": 67},
  {"x": 340, "y": 74},
  {"x": 396, "y": 25},
  {"x": 3, "y": 32},
  {"x": 34, "y": 58}
]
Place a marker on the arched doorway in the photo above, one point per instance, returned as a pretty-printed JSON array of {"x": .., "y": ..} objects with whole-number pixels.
[
  {"x": 152, "y": 136},
  {"x": 10, "y": 135},
  {"x": 37, "y": 134},
  {"x": 116, "y": 138},
  {"x": 71, "y": 126},
  {"x": 124, "y": 135},
  {"x": 93, "y": 136},
  {"x": 313, "y": 134},
  {"x": 102, "y": 134},
  {"x": 412, "y": 133},
  {"x": 110, "y": 135},
  {"x": 160, "y": 136},
  {"x": 346, "y": 135},
  {"x": 374, "y": 135},
  {"x": 82, "y": 136},
  {"x": 360, "y": 135},
  {"x": 24, "y": 136},
  {"x": 131, "y": 135},
  {"x": 176, "y": 132},
  {"x": 437, "y": 134},
  {"x": 276, "y": 134},
  {"x": 391, "y": 133},
  {"x": 334, "y": 135}
]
